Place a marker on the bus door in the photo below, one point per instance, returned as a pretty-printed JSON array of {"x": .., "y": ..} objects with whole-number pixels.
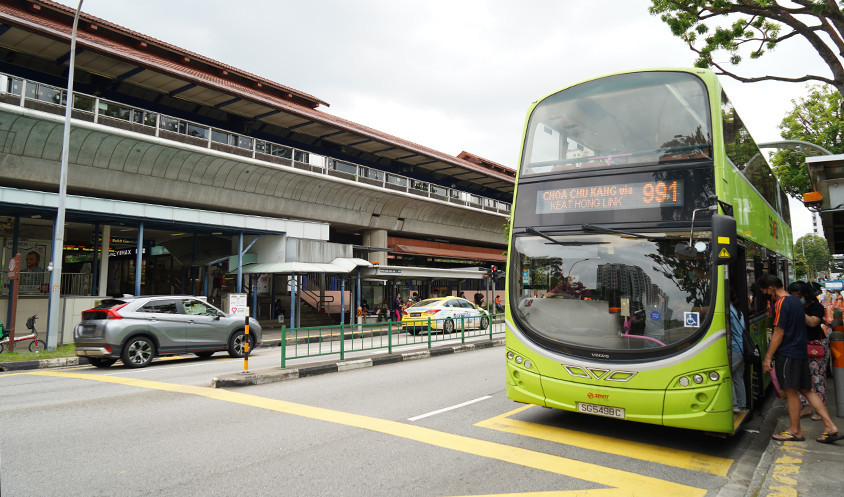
[{"x": 737, "y": 286}]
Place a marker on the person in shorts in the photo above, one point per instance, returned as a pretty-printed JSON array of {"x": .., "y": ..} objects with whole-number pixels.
[{"x": 788, "y": 346}]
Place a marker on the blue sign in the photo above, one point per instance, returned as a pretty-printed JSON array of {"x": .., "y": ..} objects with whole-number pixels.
[
  {"x": 834, "y": 285},
  {"x": 655, "y": 315},
  {"x": 691, "y": 319}
]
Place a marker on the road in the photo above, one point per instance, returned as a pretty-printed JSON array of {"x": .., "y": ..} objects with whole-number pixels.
[{"x": 435, "y": 427}]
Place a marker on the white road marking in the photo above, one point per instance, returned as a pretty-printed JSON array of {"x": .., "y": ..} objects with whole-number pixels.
[{"x": 432, "y": 413}]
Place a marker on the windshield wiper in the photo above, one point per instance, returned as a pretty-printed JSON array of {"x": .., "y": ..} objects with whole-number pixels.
[
  {"x": 535, "y": 231},
  {"x": 601, "y": 229}
]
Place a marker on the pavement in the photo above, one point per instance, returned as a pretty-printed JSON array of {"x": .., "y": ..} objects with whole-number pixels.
[
  {"x": 782, "y": 469},
  {"x": 801, "y": 468}
]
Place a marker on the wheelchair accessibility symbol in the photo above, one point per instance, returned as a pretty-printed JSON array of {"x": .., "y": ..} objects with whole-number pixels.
[{"x": 691, "y": 319}]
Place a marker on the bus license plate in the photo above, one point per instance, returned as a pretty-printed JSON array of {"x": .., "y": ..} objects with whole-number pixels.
[{"x": 610, "y": 412}]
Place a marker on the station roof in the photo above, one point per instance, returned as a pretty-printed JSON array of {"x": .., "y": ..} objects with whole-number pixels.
[
  {"x": 826, "y": 173},
  {"x": 41, "y": 29}
]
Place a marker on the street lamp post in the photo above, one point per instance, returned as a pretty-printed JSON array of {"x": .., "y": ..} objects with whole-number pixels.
[{"x": 58, "y": 227}]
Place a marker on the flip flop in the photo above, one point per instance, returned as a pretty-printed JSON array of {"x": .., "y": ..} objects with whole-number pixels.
[
  {"x": 827, "y": 438},
  {"x": 787, "y": 436}
]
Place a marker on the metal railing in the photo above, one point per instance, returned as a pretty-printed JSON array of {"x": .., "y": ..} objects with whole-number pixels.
[
  {"x": 317, "y": 341},
  {"x": 47, "y": 98},
  {"x": 38, "y": 283}
]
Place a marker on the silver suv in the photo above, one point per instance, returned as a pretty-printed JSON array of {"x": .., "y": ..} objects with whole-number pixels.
[{"x": 136, "y": 329}]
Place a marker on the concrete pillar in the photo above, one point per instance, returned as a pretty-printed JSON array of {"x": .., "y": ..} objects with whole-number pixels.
[
  {"x": 102, "y": 285},
  {"x": 376, "y": 238}
]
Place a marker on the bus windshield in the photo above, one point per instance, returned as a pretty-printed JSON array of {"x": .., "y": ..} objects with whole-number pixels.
[
  {"x": 610, "y": 292},
  {"x": 649, "y": 117}
]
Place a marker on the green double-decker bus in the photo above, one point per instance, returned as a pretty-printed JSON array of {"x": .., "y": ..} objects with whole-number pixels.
[{"x": 641, "y": 203}]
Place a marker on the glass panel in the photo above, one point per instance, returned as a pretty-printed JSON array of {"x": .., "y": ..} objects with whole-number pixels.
[
  {"x": 419, "y": 185},
  {"x": 137, "y": 116},
  {"x": 396, "y": 180},
  {"x": 49, "y": 94},
  {"x": 14, "y": 86},
  {"x": 30, "y": 89},
  {"x": 300, "y": 156},
  {"x": 243, "y": 141},
  {"x": 261, "y": 147},
  {"x": 113, "y": 110},
  {"x": 346, "y": 168},
  {"x": 82, "y": 102},
  {"x": 745, "y": 155},
  {"x": 439, "y": 190},
  {"x": 609, "y": 292},
  {"x": 279, "y": 151},
  {"x": 219, "y": 137},
  {"x": 370, "y": 173},
  {"x": 169, "y": 124},
  {"x": 197, "y": 131},
  {"x": 160, "y": 307},
  {"x": 650, "y": 117},
  {"x": 149, "y": 118}
]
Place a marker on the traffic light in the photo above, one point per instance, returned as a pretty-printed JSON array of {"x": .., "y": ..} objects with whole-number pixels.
[{"x": 496, "y": 274}]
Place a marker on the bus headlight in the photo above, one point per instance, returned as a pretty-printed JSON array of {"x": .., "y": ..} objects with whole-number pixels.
[
  {"x": 510, "y": 355},
  {"x": 528, "y": 364},
  {"x": 714, "y": 376},
  {"x": 684, "y": 382},
  {"x": 519, "y": 359},
  {"x": 697, "y": 379}
]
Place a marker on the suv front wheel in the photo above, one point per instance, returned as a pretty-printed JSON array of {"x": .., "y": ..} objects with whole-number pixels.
[
  {"x": 138, "y": 352},
  {"x": 236, "y": 342}
]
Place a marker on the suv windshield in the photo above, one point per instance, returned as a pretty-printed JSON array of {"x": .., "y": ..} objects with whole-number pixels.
[
  {"x": 612, "y": 292},
  {"x": 648, "y": 117}
]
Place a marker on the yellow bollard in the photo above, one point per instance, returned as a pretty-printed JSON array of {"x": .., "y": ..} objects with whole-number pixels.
[{"x": 246, "y": 346}]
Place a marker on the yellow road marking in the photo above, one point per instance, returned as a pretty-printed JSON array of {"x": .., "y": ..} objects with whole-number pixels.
[
  {"x": 624, "y": 483},
  {"x": 646, "y": 452}
]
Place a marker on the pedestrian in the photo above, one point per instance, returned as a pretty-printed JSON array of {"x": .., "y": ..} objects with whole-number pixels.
[
  {"x": 397, "y": 306},
  {"x": 383, "y": 311},
  {"x": 737, "y": 330},
  {"x": 815, "y": 335},
  {"x": 498, "y": 306},
  {"x": 479, "y": 298},
  {"x": 788, "y": 347}
]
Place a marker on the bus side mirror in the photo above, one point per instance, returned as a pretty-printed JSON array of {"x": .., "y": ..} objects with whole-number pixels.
[{"x": 723, "y": 239}]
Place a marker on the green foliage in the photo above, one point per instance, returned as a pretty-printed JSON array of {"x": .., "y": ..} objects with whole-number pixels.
[
  {"x": 818, "y": 119},
  {"x": 752, "y": 28},
  {"x": 22, "y": 353},
  {"x": 811, "y": 256}
]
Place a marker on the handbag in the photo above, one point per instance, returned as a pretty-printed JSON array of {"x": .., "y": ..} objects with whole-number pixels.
[{"x": 816, "y": 350}]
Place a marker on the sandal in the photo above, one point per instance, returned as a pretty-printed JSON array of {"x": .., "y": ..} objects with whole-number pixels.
[
  {"x": 830, "y": 438},
  {"x": 787, "y": 436},
  {"x": 816, "y": 417}
]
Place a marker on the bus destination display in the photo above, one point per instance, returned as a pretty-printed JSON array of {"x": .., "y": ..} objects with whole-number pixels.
[{"x": 625, "y": 196}]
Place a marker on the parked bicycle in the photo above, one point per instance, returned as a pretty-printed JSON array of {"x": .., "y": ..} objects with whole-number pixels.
[{"x": 35, "y": 346}]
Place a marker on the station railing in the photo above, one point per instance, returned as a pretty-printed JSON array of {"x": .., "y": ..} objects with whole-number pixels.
[
  {"x": 39, "y": 96},
  {"x": 341, "y": 340}
]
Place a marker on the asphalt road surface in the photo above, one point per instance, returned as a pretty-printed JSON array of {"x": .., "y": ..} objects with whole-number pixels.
[{"x": 434, "y": 427}]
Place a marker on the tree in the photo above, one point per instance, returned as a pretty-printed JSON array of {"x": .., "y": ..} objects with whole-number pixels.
[
  {"x": 755, "y": 27},
  {"x": 817, "y": 118},
  {"x": 811, "y": 257}
]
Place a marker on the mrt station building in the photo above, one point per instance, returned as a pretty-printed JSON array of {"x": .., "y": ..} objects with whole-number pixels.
[{"x": 190, "y": 176}]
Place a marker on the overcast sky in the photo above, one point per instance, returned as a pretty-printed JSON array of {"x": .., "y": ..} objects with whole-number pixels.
[{"x": 447, "y": 74}]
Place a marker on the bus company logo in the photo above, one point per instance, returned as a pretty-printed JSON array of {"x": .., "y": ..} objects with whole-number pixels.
[
  {"x": 597, "y": 396},
  {"x": 602, "y": 356}
]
